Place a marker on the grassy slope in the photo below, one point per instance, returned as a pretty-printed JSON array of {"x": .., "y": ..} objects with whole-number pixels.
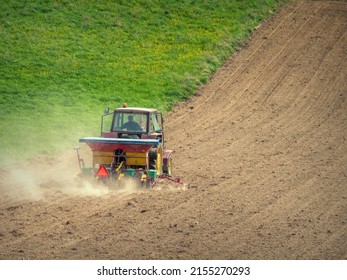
[{"x": 61, "y": 62}]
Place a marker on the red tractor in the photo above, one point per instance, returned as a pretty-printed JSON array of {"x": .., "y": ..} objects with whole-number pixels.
[{"x": 131, "y": 144}]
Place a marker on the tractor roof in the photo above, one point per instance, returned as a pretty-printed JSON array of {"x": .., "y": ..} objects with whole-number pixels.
[{"x": 135, "y": 110}]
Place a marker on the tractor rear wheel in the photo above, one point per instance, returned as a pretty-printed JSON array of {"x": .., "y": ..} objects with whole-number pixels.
[{"x": 167, "y": 169}]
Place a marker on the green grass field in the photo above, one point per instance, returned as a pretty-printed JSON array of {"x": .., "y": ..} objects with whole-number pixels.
[{"x": 62, "y": 62}]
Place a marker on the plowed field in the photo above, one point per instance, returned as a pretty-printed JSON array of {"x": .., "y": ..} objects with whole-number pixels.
[{"x": 262, "y": 145}]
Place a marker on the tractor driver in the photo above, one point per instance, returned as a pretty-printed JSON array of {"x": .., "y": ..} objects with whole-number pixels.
[{"x": 131, "y": 124}]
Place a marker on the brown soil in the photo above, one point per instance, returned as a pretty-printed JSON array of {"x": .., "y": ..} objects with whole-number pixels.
[{"x": 263, "y": 146}]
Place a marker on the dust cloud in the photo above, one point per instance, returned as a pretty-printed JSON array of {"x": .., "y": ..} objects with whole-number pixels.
[
  {"x": 58, "y": 177},
  {"x": 24, "y": 184}
]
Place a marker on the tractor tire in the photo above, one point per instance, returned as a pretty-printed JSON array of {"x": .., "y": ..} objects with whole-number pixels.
[{"x": 167, "y": 169}]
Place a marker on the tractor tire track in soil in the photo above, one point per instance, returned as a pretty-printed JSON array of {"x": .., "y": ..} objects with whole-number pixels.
[{"x": 263, "y": 146}]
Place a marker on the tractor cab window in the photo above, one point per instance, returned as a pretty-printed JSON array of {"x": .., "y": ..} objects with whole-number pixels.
[
  {"x": 131, "y": 122},
  {"x": 155, "y": 125}
]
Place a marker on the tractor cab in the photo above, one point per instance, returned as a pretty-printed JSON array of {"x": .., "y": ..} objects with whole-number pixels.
[{"x": 135, "y": 123}]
